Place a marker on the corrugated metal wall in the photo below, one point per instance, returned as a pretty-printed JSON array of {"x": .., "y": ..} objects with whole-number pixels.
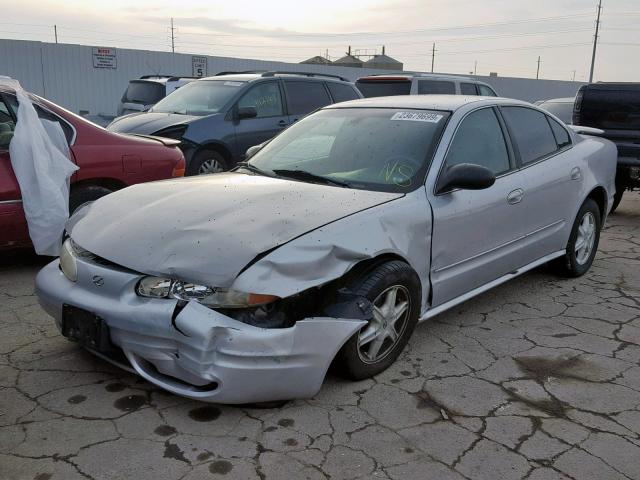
[{"x": 65, "y": 74}]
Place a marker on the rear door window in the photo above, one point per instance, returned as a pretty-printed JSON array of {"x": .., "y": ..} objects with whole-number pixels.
[
  {"x": 7, "y": 125},
  {"x": 486, "y": 91},
  {"x": 380, "y": 88},
  {"x": 304, "y": 97},
  {"x": 341, "y": 92},
  {"x": 532, "y": 133},
  {"x": 433, "y": 87},
  {"x": 468, "y": 89}
]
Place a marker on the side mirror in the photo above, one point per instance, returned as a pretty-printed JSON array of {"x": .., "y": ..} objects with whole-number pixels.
[
  {"x": 251, "y": 151},
  {"x": 466, "y": 176},
  {"x": 247, "y": 112}
]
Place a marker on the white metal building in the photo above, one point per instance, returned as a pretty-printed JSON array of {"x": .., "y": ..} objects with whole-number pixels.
[{"x": 91, "y": 80}]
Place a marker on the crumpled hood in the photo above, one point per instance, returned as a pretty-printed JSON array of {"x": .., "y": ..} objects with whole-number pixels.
[
  {"x": 206, "y": 229},
  {"x": 148, "y": 123}
]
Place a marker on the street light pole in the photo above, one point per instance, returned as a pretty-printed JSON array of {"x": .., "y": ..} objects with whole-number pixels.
[{"x": 595, "y": 42}]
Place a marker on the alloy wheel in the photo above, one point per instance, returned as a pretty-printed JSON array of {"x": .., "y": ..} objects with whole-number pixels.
[
  {"x": 210, "y": 165},
  {"x": 391, "y": 311},
  {"x": 586, "y": 238}
]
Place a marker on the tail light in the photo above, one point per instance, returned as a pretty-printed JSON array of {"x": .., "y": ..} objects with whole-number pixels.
[
  {"x": 577, "y": 106},
  {"x": 179, "y": 169}
]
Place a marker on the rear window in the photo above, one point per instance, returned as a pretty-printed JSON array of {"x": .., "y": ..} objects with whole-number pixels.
[
  {"x": 305, "y": 97},
  {"x": 383, "y": 88},
  {"x": 531, "y": 131},
  {"x": 486, "y": 91},
  {"x": 611, "y": 109},
  {"x": 434, "y": 87},
  {"x": 341, "y": 92},
  {"x": 144, "y": 93}
]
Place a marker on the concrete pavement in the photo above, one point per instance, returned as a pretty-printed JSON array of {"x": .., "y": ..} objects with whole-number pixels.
[{"x": 537, "y": 379}]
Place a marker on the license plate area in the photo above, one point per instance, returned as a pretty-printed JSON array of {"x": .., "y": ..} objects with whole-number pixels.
[{"x": 86, "y": 328}]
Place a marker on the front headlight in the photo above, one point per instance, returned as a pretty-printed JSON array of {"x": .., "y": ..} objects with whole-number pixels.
[
  {"x": 68, "y": 263},
  {"x": 158, "y": 287}
]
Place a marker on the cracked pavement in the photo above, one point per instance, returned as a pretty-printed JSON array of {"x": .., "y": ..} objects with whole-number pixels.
[{"x": 538, "y": 378}]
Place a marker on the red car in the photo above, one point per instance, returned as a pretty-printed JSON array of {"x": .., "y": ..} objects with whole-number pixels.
[{"x": 107, "y": 162}]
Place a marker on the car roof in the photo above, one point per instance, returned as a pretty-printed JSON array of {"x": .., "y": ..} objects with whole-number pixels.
[
  {"x": 410, "y": 76},
  {"x": 426, "y": 102},
  {"x": 252, "y": 76}
]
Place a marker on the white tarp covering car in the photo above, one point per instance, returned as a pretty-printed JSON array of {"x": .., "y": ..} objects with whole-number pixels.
[
  {"x": 40, "y": 159},
  {"x": 329, "y": 245}
]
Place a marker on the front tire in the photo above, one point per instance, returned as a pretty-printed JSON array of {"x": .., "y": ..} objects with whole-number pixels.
[
  {"x": 583, "y": 241},
  {"x": 206, "y": 162},
  {"x": 82, "y": 195},
  {"x": 394, "y": 289}
]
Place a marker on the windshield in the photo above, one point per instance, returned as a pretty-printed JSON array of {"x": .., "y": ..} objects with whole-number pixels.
[
  {"x": 367, "y": 148},
  {"x": 199, "y": 98}
]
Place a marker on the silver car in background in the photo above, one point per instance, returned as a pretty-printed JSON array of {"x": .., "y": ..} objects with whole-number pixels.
[
  {"x": 562, "y": 108},
  {"x": 328, "y": 245}
]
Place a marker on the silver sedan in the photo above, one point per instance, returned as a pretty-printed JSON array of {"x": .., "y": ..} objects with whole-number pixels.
[{"x": 329, "y": 245}]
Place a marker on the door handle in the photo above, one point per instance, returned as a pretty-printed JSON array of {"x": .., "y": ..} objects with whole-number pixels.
[
  {"x": 576, "y": 173},
  {"x": 282, "y": 123},
  {"x": 515, "y": 196}
]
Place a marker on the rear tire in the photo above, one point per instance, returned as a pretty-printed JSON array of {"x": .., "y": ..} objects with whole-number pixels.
[
  {"x": 206, "y": 162},
  {"x": 617, "y": 198},
  {"x": 85, "y": 194},
  {"x": 379, "y": 343},
  {"x": 583, "y": 241}
]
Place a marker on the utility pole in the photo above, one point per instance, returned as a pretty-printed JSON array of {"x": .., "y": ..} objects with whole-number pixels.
[
  {"x": 475, "y": 68},
  {"x": 538, "y": 71},
  {"x": 433, "y": 56},
  {"x": 55, "y": 32},
  {"x": 173, "y": 38},
  {"x": 573, "y": 78},
  {"x": 595, "y": 42}
]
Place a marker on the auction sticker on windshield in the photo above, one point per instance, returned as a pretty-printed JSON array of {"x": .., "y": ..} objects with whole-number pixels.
[{"x": 417, "y": 117}]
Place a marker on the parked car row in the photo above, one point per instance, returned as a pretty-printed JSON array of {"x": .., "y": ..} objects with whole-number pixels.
[
  {"x": 215, "y": 120},
  {"x": 218, "y": 118}
]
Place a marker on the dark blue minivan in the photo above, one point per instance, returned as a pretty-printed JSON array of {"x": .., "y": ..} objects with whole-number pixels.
[{"x": 218, "y": 118}]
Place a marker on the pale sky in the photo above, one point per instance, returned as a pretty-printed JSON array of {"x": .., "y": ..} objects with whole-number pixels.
[{"x": 504, "y": 36}]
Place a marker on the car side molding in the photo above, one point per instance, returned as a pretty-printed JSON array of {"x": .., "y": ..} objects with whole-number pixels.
[{"x": 432, "y": 312}]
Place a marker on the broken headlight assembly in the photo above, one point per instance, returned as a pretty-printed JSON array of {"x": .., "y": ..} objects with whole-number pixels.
[{"x": 159, "y": 287}]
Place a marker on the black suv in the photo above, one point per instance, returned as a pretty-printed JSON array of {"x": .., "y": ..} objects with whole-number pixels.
[
  {"x": 218, "y": 118},
  {"x": 614, "y": 108}
]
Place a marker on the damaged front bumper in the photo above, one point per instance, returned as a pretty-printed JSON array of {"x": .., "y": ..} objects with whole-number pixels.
[{"x": 195, "y": 351}]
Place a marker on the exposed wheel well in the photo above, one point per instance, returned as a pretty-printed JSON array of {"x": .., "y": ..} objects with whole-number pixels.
[
  {"x": 599, "y": 195},
  {"x": 110, "y": 183},
  {"x": 217, "y": 147},
  {"x": 361, "y": 268}
]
